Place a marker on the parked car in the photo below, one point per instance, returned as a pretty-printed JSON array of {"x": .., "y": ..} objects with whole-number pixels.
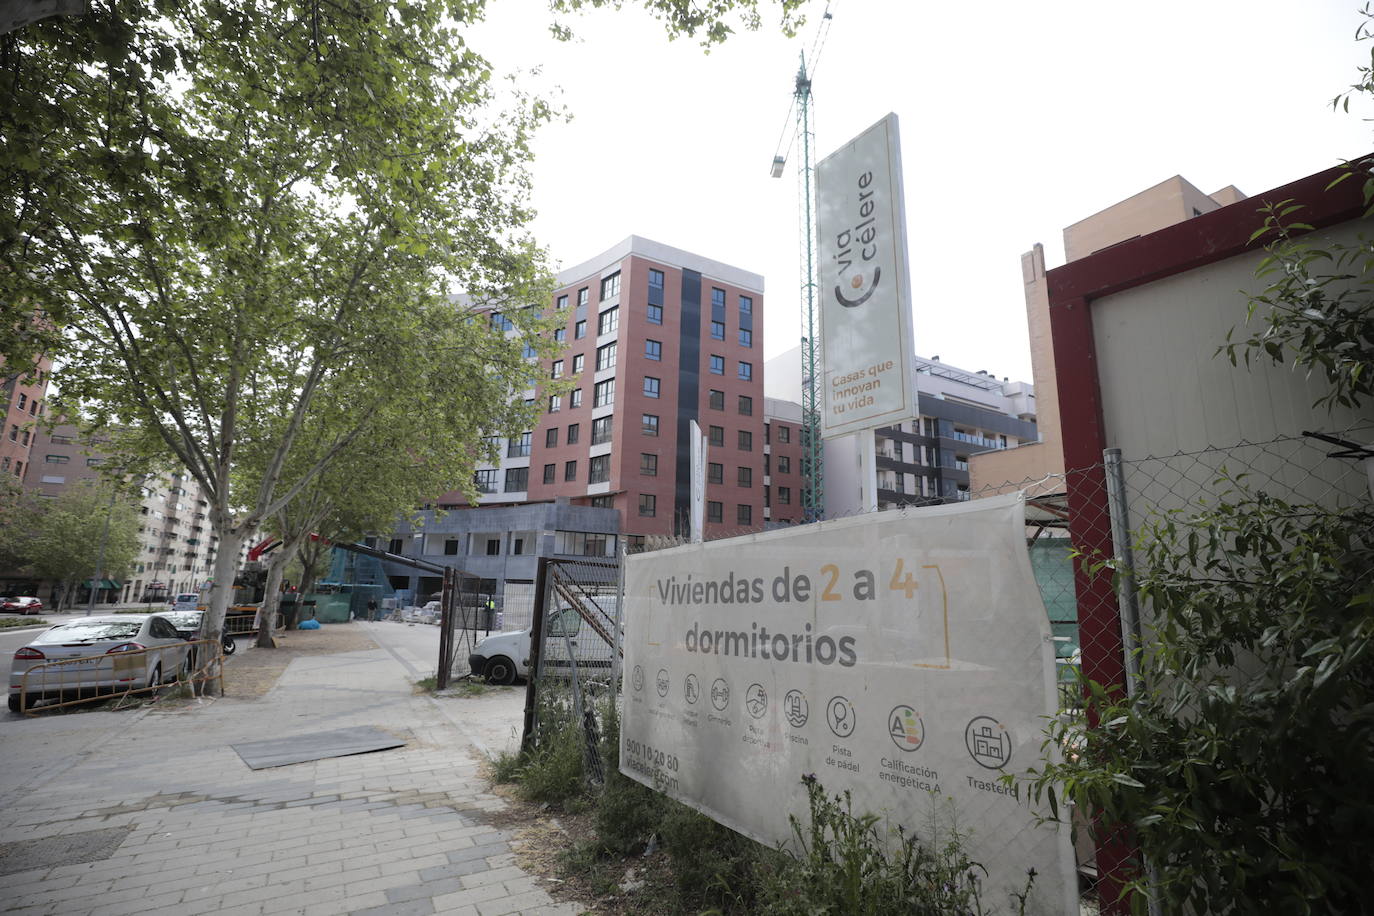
[
  {"x": 28, "y": 605},
  {"x": 187, "y": 601},
  {"x": 189, "y": 623},
  {"x": 106, "y": 654}
]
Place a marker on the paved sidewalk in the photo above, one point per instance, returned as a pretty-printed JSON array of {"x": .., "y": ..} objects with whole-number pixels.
[{"x": 154, "y": 812}]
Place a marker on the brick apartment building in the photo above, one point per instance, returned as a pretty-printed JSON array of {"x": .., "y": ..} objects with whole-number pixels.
[{"x": 653, "y": 338}]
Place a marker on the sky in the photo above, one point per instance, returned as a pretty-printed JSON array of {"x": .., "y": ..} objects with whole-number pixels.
[{"x": 1016, "y": 120}]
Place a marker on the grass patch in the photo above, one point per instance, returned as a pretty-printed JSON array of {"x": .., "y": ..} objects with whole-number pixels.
[
  {"x": 8, "y": 623},
  {"x": 427, "y": 684}
]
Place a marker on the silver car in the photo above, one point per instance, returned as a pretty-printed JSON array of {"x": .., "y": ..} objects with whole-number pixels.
[{"x": 97, "y": 655}]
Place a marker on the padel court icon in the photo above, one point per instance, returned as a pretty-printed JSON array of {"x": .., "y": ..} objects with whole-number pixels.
[
  {"x": 839, "y": 715},
  {"x": 988, "y": 742}
]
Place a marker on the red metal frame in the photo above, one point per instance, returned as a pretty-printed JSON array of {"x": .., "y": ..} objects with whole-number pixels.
[{"x": 1073, "y": 288}]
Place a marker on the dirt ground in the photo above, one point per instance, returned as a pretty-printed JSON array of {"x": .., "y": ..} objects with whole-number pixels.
[{"x": 251, "y": 672}]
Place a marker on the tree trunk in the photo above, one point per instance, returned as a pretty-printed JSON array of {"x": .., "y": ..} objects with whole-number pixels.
[
  {"x": 226, "y": 561},
  {"x": 271, "y": 599}
]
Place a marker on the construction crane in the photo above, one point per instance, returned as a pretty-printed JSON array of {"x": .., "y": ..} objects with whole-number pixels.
[{"x": 813, "y": 460}]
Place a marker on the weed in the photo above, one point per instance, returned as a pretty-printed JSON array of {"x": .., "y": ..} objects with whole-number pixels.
[{"x": 427, "y": 684}]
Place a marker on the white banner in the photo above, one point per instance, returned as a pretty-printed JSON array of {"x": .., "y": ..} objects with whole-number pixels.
[
  {"x": 698, "y": 503},
  {"x": 903, "y": 656},
  {"x": 864, "y": 288}
]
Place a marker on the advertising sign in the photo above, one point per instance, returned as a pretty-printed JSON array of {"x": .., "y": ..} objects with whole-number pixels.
[
  {"x": 864, "y": 286},
  {"x": 903, "y": 656}
]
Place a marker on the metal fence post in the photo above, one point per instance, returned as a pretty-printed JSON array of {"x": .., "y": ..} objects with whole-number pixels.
[
  {"x": 1127, "y": 596},
  {"x": 619, "y": 623},
  {"x": 541, "y": 596},
  {"x": 445, "y": 631},
  {"x": 1128, "y": 599}
]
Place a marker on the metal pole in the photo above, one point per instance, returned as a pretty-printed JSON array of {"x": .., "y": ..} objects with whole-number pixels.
[
  {"x": 445, "y": 634},
  {"x": 100, "y": 557},
  {"x": 619, "y": 610},
  {"x": 1125, "y": 578},
  {"x": 1128, "y": 600},
  {"x": 541, "y": 588},
  {"x": 813, "y": 458}
]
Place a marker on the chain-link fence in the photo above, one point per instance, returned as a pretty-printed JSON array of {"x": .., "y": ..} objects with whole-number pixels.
[{"x": 574, "y": 660}]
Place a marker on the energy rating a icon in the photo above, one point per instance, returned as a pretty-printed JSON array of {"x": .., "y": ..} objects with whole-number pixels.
[
  {"x": 692, "y": 689},
  {"x": 795, "y": 708},
  {"x": 904, "y": 728},
  {"x": 988, "y": 742},
  {"x": 720, "y": 694},
  {"x": 839, "y": 715}
]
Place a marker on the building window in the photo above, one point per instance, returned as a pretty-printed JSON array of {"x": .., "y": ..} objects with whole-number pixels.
[
  {"x": 745, "y": 477},
  {"x": 557, "y": 371},
  {"x": 603, "y": 394},
  {"x": 600, "y": 469},
  {"x": 655, "y": 314},
  {"x": 94, "y": 462},
  {"x": 717, "y": 365},
  {"x": 648, "y": 464},
  {"x": 716, "y": 436},
  {"x": 580, "y": 330},
  {"x": 648, "y": 505},
  {"x": 396, "y": 546},
  {"x": 57, "y": 440},
  {"x": 610, "y": 286},
  {"x": 578, "y": 362},
  {"x": 605, "y": 356},
  {"x": 746, "y": 370},
  {"x": 746, "y": 337},
  {"x": 785, "y": 496},
  {"x": 573, "y": 430},
  {"x": 746, "y": 304},
  {"x": 517, "y": 480},
  {"x": 746, "y": 441},
  {"x": 784, "y": 434},
  {"x": 57, "y": 459},
  {"x": 23, "y": 400},
  {"x": 717, "y": 399},
  {"x": 493, "y": 547},
  {"x": 715, "y": 472},
  {"x": 608, "y": 321},
  {"x": 717, "y": 330},
  {"x": 648, "y": 424},
  {"x": 714, "y": 511},
  {"x": 653, "y": 349},
  {"x": 562, "y": 302},
  {"x": 529, "y": 352},
  {"x": 519, "y": 448},
  {"x": 517, "y": 546},
  {"x": 744, "y": 515},
  {"x": 486, "y": 481},
  {"x": 717, "y": 298},
  {"x": 501, "y": 322},
  {"x": 600, "y": 502},
  {"x": 551, "y": 437},
  {"x": 601, "y": 430},
  {"x": 784, "y": 464},
  {"x": 14, "y": 432},
  {"x": 651, "y": 386},
  {"x": 656, "y": 279},
  {"x": 746, "y": 406},
  {"x": 582, "y": 296},
  {"x": 570, "y": 470},
  {"x": 555, "y": 403},
  {"x": 550, "y": 473},
  {"x": 560, "y": 335},
  {"x": 575, "y": 399}
]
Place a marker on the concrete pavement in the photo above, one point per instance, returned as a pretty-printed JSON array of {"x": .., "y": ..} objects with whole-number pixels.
[{"x": 152, "y": 811}]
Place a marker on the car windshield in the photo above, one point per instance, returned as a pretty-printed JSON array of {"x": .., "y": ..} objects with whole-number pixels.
[
  {"x": 91, "y": 631},
  {"x": 184, "y": 620}
]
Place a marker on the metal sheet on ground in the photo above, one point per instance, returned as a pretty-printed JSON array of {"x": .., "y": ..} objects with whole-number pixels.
[
  {"x": 65, "y": 849},
  {"x": 341, "y": 742}
]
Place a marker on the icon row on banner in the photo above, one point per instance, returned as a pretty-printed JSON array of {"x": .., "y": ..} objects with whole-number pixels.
[{"x": 986, "y": 739}]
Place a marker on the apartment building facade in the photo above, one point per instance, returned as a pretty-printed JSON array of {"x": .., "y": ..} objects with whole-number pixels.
[
  {"x": 923, "y": 461},
  {"x": 23, "y": 396},
  {"x": 176, "y": 542}
]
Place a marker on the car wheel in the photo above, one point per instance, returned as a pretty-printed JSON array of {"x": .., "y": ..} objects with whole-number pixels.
[
  {"x": 500, "y": 670},
  {"x": 229, "y": 646},
  {"x": 14, "y": 702},
  {"x": 155, "y": 679}
]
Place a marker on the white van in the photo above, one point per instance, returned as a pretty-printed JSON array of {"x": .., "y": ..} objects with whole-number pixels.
[{"x": 186, "y": 601}]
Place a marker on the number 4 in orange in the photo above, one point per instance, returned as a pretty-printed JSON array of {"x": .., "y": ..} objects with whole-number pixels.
[{"x": 898, "y": 584}]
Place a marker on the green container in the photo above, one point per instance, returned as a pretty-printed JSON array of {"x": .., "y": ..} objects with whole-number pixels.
[{"x": 326, "y": 608}]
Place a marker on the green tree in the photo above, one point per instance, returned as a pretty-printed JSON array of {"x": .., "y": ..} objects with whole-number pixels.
[
  {"x": 59, "y": 539},
  {"x": 231, "y": 210}
]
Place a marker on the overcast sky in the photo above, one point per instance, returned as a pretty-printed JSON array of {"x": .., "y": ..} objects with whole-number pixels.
[{"x": 1017, "y": 119}]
